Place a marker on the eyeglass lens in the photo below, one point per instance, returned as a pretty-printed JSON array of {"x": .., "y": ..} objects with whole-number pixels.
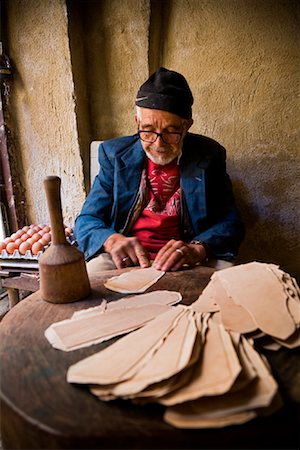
[{"x": 168, "y": 138}]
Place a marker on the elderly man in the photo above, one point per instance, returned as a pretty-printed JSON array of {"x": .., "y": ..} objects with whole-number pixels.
[{"x": 162, "y": 196}]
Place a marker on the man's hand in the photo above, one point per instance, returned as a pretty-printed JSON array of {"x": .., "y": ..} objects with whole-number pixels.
[
  {"x": 176, "y": 253},
  {"x": 126, "y": 251}
]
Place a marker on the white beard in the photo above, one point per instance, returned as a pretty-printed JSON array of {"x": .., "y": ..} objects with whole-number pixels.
[{"x": 162, "y": 158}]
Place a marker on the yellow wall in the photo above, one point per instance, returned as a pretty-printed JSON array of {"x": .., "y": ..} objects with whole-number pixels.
[
  {"x": 42, "y": 102},
  {"x": 79, "y": 66}
]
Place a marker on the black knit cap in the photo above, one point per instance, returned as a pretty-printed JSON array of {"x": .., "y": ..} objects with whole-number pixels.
[{"x": 166, "y": 90}]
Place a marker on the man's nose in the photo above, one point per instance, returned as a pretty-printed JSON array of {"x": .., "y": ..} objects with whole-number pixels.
[{"x": 159, "y": 142}]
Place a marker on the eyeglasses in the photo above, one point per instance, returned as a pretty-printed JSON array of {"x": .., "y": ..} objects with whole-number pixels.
[{"x": 168, "y": 138}]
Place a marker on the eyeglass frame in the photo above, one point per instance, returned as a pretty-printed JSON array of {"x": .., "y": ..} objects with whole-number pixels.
[{"x": 161, "y": 135}]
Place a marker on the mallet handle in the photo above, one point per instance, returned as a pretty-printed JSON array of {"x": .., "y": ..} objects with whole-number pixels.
[{"x": 52, "y": 188}]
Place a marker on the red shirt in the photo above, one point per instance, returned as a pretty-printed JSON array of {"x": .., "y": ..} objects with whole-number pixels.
[{"x": 160, "y": 220}]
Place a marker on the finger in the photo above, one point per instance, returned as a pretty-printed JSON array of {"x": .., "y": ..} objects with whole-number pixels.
[
  {"x": 174, "y": 262},
  {"x": 120, "y": 261},
  {"x": 144, "y": 260},
  {"x": 169, "y": 255},
  {"x": 141, "y": 255},
  {"x": 117, "y": 261},
  {"x": 163, "y": 254},
  {"x": 176, "y": 267},
  {"x": 121, "y": 258},
  {"x": 130, "y": 253},
  {"x": 181, "y": 252},
  {"x": 126, "y": 261},
  {"x": 189, "y": 256},
  {"x": 122, "y": 253}
]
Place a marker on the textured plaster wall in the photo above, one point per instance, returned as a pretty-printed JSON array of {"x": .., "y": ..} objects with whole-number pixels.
[
  {"x": 240, "y": 57},
  {"x": 116, "y": 50},
  {"x": 43, "y": 106}
]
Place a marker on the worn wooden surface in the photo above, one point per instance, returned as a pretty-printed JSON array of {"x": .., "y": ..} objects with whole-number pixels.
[
  {"x": 13, "y": 285},
  {"x": 21, "y": 283},
  {"x": 40, "y": 410}
]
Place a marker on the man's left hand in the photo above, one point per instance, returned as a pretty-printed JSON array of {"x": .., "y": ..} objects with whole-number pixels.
[{"x": 177, "y": 253}]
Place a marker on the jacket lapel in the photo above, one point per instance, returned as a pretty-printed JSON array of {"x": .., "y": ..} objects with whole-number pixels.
[
  {"x": 128, "y": 176},
  {"x": 128, "y": 167},
  {"x": 193, "y": 185}
]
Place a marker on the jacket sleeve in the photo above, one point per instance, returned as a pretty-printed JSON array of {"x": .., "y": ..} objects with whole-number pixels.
[
  {"x": 223, "y": 239},
  {"x": 94, "y": 223},
  {"x": 223, "y": 229}
]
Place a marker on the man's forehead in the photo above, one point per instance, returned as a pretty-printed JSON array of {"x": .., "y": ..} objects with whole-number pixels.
[{"x": 152, "y": 116}]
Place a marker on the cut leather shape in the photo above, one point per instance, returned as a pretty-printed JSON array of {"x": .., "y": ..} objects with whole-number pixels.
[
  {"x": 215, "y": 372},
  {"x": 100, "y": 323},
  {"x": 261, "y": 295},
  {"x": 115, "y": 363},
  {"x": 134, "y": 281}
]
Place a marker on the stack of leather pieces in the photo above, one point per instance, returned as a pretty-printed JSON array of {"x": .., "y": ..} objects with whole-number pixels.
[
  {"x": 200, "y": 361},
  {"x": 186, "y": 361},
  {"x": 258, "y": 300}
]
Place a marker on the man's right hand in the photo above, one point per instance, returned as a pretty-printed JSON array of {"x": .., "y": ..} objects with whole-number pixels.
[{"x": 126, "y": 251}]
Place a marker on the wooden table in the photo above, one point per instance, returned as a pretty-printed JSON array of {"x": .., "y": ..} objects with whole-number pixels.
[
  {"x": 40, "y": 410},
  {"x": 15, "y": 282}
]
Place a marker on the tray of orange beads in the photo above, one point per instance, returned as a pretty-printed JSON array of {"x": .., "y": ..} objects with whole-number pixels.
[{"x": 28, "y": 243}]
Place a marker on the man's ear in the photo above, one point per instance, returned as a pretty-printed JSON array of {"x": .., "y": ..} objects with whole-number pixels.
[
  {"x": 136, "y": 119},
  {"x": 189, "y": 123}
]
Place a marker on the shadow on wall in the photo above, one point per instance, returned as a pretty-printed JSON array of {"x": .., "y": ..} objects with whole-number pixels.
[{"x": 271, "y": 221}]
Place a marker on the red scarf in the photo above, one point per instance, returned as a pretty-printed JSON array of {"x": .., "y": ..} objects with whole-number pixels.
[{"x": 160, "y": 220}]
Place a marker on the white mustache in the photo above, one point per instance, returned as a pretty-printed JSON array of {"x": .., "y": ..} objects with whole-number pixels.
[{"x": 159, "y": 149}]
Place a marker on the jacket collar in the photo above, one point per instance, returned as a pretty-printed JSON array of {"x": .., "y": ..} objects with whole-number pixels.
[{"x": 134, "y": 156}]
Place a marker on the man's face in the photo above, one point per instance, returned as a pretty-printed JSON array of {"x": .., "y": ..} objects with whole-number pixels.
[{"x": 165, "y": 122}]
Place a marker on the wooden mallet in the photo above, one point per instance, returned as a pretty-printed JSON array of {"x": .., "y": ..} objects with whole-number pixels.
[{"x": 63, "y": 275}]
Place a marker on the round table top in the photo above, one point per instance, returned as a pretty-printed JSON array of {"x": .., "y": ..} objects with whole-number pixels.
[{"x": 42, "y": 410}]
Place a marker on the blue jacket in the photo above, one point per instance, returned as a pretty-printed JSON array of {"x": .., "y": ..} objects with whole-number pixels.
[{"x": 208, "y": 208}]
